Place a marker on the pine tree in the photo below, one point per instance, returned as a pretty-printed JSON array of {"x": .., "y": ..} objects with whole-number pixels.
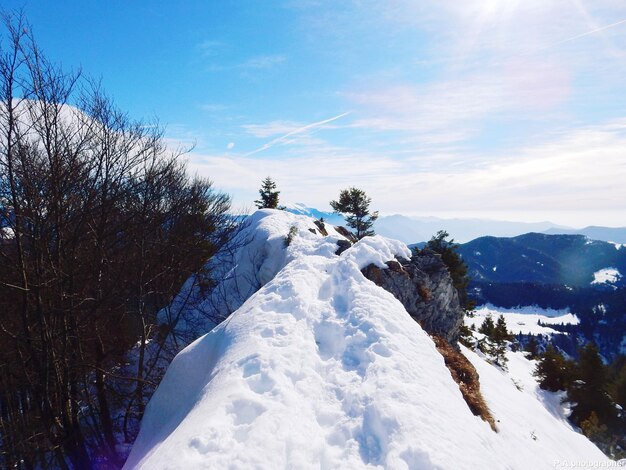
[
  {"x": 501, "y": 333},
  {"x": 552, "y": 370},
  {"x": 487, "y": 344},
  {"x": 465, "y": 336},
  {"x": 269, "y": 195},
  {"x": 487, "y": 327},
  {"x": 354, "y": 204},
  {"x": 594, "y": 429},
  {"x": 498, "y": 354},
  {"x": 457, "y": 268},
  {"x": 619, "y": 393},
  {"x": 588, "y": 392},
  {"x": 499, "y": 339},
  {"x": 532, "y": 347}
]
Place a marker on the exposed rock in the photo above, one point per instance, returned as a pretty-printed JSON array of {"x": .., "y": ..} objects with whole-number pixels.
[
  {"x": 343, "y": 245},
  {"x": 394, "y": 266},
  {"x": 321, "y": 227},
  {"x": 423, "y": 285},
  {"x": 346, "y": 233}
]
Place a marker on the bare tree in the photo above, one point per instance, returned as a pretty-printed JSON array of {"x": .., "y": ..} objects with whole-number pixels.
[{"x": 102, "y": 226}]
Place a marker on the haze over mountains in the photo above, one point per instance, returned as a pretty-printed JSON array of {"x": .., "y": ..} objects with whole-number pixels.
[{"x": 412, "y": 229}]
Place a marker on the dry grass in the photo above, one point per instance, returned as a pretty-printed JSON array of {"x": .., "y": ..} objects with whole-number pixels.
[
  {"x": 424, "y": 293},
  {"x": 465, "y": 375}
]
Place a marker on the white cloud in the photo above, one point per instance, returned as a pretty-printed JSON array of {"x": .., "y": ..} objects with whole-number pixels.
[
  {"x": 443, "y": 133},
  {"x": 457, "y": 108},
  {"x": 583, "y": 169}
]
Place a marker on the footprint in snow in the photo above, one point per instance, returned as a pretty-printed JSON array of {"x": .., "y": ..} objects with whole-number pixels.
[
  {"x": 261, "y": 383},
  {"x": 258, "y": 380},
  {"x": 204, "y": 445},
  {"x": 272, "y": 332},
  {"x": 246, "y": 411}
]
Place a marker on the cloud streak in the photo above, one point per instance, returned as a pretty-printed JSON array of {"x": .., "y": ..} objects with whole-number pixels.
[
  {"x": 286, "y": 137},
  {"x": 588, "y": 33}
]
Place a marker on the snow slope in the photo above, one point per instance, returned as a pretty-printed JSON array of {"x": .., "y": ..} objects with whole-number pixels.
[
  {"x": 530, "y": 419},
  {"x": 606, "y": 276},
  {"x": 321, "y": 368}
]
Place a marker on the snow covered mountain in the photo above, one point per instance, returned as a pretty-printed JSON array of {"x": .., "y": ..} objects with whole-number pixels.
[
  {"x": 555, "y": 271},
  {"x": 574, "y": 260},
  {"x": 322, "y": 368}
]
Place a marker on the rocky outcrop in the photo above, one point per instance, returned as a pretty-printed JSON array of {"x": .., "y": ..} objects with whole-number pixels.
[
  {"x": 346, "y": 233},
  {"x": 423, "y": 285},
  {"x": 342, "y": 245}
]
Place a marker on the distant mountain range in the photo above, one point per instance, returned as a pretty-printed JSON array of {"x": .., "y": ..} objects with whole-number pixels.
[
  {"x": 585, "y": 276},
  {"x": 419, "y": 229},
  {"x": 572, "y": 260},
  {"x": 301, "y": 209},
  {"x": 610, "y": 234}
]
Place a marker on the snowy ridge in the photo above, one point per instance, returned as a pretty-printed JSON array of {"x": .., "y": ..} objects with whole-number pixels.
[
  {"x": 257, "y": 253},
  {"x": 263, "y": 253},
  {"x": 321, "y": 368}
]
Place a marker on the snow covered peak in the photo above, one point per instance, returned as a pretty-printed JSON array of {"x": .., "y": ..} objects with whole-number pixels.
[
  {"x": 321, "y": 368},
  {"x": 302, "y": 209}
]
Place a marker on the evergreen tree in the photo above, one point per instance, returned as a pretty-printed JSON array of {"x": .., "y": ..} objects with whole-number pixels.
[
  {"x": 488, "y": 345},
  {"x": 617, "y": 381},
  {"x": 594, "y": 429},
  {"x": 354, "y": 204},
  {"x": 501, "y": 333},
  {"x": 552, "y": 370},
  {"x": 500, "y": 337},
  {"x": 619, "y": 393},
  {"x": 269, "y": 195},
  {"x": 487, "y": 327},
  {"x": 457, "y": 268},
  {"x": 498, "y": 353},
  {"x": 532, "y": 348},
  {"x": 465, "y": 336},
  {"x": 588, "y": 392}
]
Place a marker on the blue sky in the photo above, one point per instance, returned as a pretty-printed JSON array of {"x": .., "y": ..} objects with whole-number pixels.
[{"x": 511, "y": 109}]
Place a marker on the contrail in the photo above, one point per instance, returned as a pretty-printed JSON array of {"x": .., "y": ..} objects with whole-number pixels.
[
  {"x": 283, "y": 138},
  {"x": 597, "y": 30}
]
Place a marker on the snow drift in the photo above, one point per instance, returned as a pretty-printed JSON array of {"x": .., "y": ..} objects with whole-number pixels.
[{"x": 321, "y": 368}]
